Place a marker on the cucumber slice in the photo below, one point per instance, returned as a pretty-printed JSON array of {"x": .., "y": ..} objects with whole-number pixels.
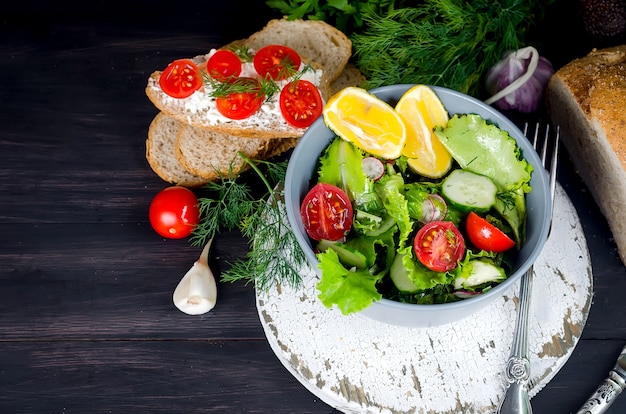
[
  {"x": 468, "y": 191},
  {"x": 387, "y": 223},
  {"x": 400, "y": 276},
  {"x": 482, "y": 272},
  {"x": 347, "y": 257}
]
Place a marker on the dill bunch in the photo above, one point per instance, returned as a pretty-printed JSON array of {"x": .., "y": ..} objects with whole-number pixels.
[
  {"x": 274, "y": 255},
  {"x": 450, "y": 43}
]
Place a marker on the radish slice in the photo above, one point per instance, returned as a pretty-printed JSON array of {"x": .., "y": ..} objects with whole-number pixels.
[
  {"x": 373, "y": 168},
  {"x": 434, "y": 208},
  {"x": 464, "y": 294}
]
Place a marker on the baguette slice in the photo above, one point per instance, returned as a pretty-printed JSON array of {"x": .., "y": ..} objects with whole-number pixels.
[
  {"x": 315, "y": 40},
  {"x": 160, "y": 153},
  {"x": 586, "y": 98}
]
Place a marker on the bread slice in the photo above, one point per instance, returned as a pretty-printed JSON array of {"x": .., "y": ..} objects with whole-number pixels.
[
  {"x": 212, "y": 154},
  {"x": 350, "y": 76},
  {"x": 279, "y": 146},
  {"x": 162, "y": 135},
  {"x": 315, "y": 40},
  {"x": 586, "y": 99}
]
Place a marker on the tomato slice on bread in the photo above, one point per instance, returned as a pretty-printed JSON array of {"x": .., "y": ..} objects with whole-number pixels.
[
  {"x": 223, "y": 65},
  {"x": 300, "y": 103},
  {"x": 245, "y": 99},
  {"x": 439, "y": 246},
  {"x": 486, "y": 236},
  {"x": 326, "y": 212},
  {"x": 180, "y": 79},
  {"x": 277, "y": 62}
]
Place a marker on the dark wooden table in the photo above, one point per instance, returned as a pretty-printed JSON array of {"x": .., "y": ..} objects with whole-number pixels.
[{"x": 86, "y": 317}]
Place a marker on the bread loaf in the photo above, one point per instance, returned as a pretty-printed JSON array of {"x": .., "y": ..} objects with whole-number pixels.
[{"x": 587, "y": 99}]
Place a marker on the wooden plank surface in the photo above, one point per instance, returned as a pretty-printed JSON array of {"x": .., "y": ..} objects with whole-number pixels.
[{"x": 86, "y": 319}]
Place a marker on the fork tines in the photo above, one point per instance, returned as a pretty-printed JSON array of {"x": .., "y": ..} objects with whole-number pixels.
[{"x": 542, "y": 150}]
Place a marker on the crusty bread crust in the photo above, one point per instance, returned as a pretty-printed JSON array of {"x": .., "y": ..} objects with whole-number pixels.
[{"x": 586, "y": 99}]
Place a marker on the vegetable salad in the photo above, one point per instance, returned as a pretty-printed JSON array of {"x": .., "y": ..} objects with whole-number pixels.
[{"x": 383, "y": 231}]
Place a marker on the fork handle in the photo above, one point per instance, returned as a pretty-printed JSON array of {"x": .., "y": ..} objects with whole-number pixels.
[
  {"x": 608, "y": 390},
  {"x": 605, "y": 394},
  {"x": 516, "y": 400}
]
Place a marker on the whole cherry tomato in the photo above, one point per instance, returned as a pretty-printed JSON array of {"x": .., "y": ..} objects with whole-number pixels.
[
  {"x": 439, "y": 246},
  {"x": 300, "y": 103},
  {"x": 180, "y": 78},
  {"x": 326, "y": 212},
  {"x": 276, "y": 61},
  {"x": 485, "y": 235},
  {"x": 223, "y": 65},
  {"x": 245, "y": 101},
  {"x": 174, "y": 212}
]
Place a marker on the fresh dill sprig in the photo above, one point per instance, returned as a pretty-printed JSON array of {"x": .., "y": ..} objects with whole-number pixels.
[
  {"x": 274, "y": 255},
  {"x": 260, "y": 86},
  {"x": 242, "y": 51}
]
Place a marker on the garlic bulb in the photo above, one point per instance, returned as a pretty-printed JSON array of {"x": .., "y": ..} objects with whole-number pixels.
[{"x": 196, "y": 292}]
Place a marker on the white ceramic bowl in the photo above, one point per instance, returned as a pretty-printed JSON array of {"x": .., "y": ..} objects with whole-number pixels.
[{"x": 298, "y": 181}]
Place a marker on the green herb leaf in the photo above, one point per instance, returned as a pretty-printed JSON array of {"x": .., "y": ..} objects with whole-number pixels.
[{"x": 260, "y": 219}]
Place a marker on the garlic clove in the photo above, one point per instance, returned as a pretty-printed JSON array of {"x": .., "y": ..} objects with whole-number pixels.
[{"x": 196, "y": 292}]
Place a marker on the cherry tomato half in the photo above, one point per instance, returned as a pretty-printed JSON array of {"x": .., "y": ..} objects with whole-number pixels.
[
  {"x": 485, "y": 235},
  {"x": 174, "y": 212},
  {"x": 244, "y": 102},
  {"x": 180, "y": 78},
  {"x": 223, "y": 64},
  {"x": 439, "y": 246},
  {"x": 276, "y": 61},
  {"x": 300, "y": 103},
  {"x": 326, "y": 212}
]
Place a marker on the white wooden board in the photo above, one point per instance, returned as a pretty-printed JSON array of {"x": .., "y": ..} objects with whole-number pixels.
[{"x": 358, "y": 365}]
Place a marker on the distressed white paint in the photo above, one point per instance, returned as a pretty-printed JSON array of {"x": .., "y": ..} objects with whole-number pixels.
[{"x": 356, "y": 364}]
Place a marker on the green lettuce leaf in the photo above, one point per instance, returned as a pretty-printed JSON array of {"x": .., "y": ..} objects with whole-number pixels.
[
  {"x": 390, "y": 188},
  {"x": 351, "y": 291},
  {"x": 483, "y": 148}
]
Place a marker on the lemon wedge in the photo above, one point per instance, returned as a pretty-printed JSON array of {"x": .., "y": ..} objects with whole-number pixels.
[
  {"x": 422, "y": 111},
  {"x": 367, "y": 121}
]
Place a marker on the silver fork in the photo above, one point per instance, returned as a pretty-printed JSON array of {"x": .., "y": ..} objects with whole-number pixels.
[{"x": 515, "y": 399}]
